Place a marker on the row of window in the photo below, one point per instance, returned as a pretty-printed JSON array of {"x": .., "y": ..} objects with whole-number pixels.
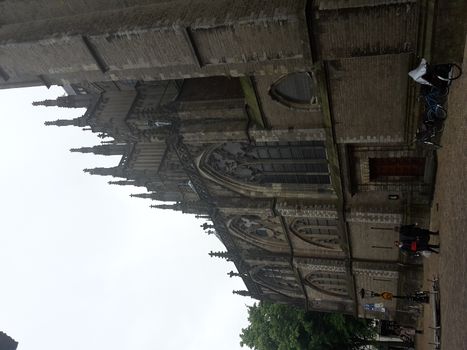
[
  {"x": 266, "y": 163},
  {"x": 322, "y": 233},
  {"x": 284, "y": 280}
]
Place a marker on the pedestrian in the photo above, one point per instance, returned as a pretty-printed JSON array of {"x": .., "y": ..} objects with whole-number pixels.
[
  {"x": 423, "y": 246},
  {"x": 415, "y": 246},
  {"x": 407, "y": 246},
  {"x": 410, "y": 232}
]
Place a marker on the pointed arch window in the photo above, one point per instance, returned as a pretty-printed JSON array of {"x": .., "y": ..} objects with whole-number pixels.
[
  {"x": 265, "y": 233},
  {"x": 278, "y": 278},
  {"x": 330, "y": 283},
  {"x": 295, "y": 90},
  {"x": 254, "y": 226},
  {"x": 320, "y": 232},
  {"x": 266, "y": 163}
]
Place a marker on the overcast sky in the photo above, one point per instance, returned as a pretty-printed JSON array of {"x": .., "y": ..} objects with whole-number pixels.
[{"x": 83, "y": 265}]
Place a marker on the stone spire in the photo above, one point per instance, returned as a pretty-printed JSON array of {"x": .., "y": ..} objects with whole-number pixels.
[
  {"x": 222, "y": 255},
  {"x": 176, "y": 206},
  {"x": 244, "y": 293},
  {"x": 234, "y": 274},
  {"x": 81, "y": 121},
  {"x": 114, "y": 171},
  {"x": 205, "y": 226},
  {"x": 107, "y": 150},
  {"x": 143, "y": 195},
  {"x": 203, "y": 216},
  {"x": 47, "y": 103},
  {"x": 71, "y": 101},
  {"x": 123, "y": 182},
  {"x": 7, "y": 342}
]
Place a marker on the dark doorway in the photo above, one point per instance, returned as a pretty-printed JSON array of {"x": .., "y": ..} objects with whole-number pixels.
[
  {"x": 381, "y": 168},
  {"x": 212, "y": 88}
]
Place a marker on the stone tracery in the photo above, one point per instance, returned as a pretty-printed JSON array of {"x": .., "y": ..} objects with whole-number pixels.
[
  {"x": 263, "y": 232},
  {"x": 267, "y": 163},
  {"x": 329, "y": 283},
  {"x": 278, "y": 278},
  {"x": 318, "y": 232}
]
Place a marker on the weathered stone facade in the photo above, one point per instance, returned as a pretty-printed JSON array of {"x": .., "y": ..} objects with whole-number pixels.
[{"x": 287, "y": 123}]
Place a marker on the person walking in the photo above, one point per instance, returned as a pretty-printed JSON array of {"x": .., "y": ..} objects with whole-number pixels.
[
  {"x": 415, "y": 246},
  {"x": 415, "y": 239},
  {"x": 410, "y": 232}
]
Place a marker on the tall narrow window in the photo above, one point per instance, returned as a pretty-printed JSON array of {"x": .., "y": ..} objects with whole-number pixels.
[
  {"x": 272, "y": 162},
  {"x": 319, "y": 232},
  {"x": 331, "y": 283},
  {"x": 265, "y": 233},
  {"x": 278, "y": 278}
]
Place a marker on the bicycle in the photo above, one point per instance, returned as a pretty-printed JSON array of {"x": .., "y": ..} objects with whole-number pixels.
[
  {"x": 445, "y": 73},
  {"x": 438, "y": 75},
  {"x": 440, "y": 94},
  {"x": 427, "y": 132},
  {"x": 433, "y": 108}
]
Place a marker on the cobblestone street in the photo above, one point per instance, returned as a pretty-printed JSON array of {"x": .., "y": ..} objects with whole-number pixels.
[{"x": 449, "y": 216}]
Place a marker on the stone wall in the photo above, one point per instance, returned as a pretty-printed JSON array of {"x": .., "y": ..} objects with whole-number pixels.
[
  {"x": 368, "y": 97},
  {"x": 278, "y": 115},
  {"x": 157, "y": 42}
]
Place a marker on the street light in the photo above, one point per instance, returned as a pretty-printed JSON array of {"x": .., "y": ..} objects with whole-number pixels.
[
  {"x": 417, "y": 297},
  {"x": 369, "y": 293}
]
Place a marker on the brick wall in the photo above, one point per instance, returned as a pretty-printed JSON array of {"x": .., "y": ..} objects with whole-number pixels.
[
  {"x": 374, "y": 241},
  {"x": 281, "y": 116},
  {"x": 161, "y": 41},
  {"x": 375, "y": 28},
  {"x": 368, "y": 97},
  {"x": 13, "y": 11}
]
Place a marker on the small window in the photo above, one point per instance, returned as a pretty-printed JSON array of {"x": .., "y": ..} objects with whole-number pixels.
[{"x": 295, "y": 90}]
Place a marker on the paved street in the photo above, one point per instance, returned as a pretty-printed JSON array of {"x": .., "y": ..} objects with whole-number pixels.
[{"x": 449, "y": 216}]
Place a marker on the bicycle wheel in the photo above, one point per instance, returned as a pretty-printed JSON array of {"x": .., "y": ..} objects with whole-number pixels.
[
  {"x": 456, "y": 72},
  {"x": 436, "y": 112},
  {"x": 437, "y": 128},
  {"x": 447, "y": 72},
  {"x": 439, "y": 92}
]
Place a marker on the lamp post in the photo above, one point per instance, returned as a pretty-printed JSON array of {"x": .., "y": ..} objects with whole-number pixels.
[{"x": 417, "y": 297}]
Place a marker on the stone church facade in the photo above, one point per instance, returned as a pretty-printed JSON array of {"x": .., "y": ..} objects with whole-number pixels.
[{"x": 288, "y": 124}]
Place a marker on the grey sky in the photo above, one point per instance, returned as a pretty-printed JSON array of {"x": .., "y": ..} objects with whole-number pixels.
[{"x": 83, "y": 265}]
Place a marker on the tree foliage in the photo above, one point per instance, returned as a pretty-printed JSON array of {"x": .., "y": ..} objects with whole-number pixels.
[{"x": 282, "y": 327}]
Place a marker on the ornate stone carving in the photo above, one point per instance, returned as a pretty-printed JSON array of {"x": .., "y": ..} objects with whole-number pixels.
[
  {"x": 374, "y": 217},
  {"x": 311, "y": 211},
  {"x": 263, "y": 135},
  {"x": 380, "y": 270},
  {"x": 264, "y": 232},
  {"x": 310, "y": 264},
  {"x": 376, "y": 273}
]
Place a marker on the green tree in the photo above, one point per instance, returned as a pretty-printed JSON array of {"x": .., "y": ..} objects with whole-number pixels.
[{"x": 282, "y": 327}]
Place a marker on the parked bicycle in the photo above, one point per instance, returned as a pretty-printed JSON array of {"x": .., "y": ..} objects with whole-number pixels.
[
  {"x": 442, "y": 75},
  {"x": 435, "y": 80},
  {"x": 437, "y": 75},
  {"x": 427, "y": 133},
  {"x": 434, "y": 109}
]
